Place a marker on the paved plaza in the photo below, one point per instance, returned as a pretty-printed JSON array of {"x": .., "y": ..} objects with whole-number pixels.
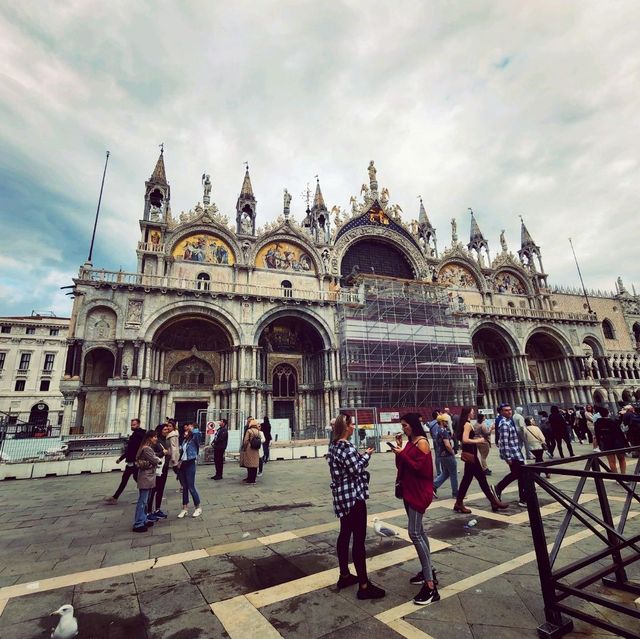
[{"x": 260, "y": 562}]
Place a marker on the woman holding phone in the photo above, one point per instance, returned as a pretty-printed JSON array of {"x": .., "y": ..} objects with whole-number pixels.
[{"x": 415, "y": 476}]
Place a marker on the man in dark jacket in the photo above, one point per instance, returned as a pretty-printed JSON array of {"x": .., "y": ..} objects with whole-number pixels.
[
  {"x": 220, "y": 440},
  {"x": 135, "y": 439}
]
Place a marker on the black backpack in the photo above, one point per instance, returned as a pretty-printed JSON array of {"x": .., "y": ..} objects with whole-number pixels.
[{"x": 255, "y": 442}]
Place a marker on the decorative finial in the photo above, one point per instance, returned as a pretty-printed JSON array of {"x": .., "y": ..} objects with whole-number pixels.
[
  {"x": 206, "y": 184},
  {"x": 306, "y": 194},
  {"x": 454, "y": 231},
  {"x": 161, "y": 145},
  {"x": 246, "y": 165},
  {"x": 470, "y": 211}
]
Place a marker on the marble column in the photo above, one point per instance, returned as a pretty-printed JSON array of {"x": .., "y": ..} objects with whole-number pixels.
[
  {"x": 144, "y": 407},
  {"x": 118, "y": 364},
  {"x": 67, "y": 411},
  {"x": 112, "y": 426},
  {"x": 82, "y": 397},
  {"x": 77, "y": 359},
  {"x": 136, "y": 359}
]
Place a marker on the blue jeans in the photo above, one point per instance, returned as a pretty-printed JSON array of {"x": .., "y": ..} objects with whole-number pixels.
[
  {"x": 141, "y": 507},
  {"x": 449, "y": 471},
  {"x": 420, "y": 541},
  {"x": 188, "y": 481}
]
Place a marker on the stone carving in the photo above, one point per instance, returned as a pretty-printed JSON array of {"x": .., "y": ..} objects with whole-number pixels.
[
  {"x": 326, "y": 259},
  {"x": 503, "y": 242},
  {"x": 454, "y": 231},
  {"x": 246, "y": 247},
  {"x": 384, "y": 196},
  {"x": 206, "y": 184},
  {"x": 134, "y": 312},
  {"x": 247, "y": 224},
  {"x": 372, "y": 176},
  {"x": 287, "y": 203}
]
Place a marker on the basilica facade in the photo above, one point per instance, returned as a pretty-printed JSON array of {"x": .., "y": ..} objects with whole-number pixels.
[{"x": 224, "y": 316}]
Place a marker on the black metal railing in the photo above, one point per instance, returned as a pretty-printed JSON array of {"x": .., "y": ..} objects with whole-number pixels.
[{"x": 561, "y": 585}]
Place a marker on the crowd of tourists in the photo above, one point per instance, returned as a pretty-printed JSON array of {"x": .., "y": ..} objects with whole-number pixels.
[
  {"x": 151, "y": 455},
  {"x": 466, "y": 438}
]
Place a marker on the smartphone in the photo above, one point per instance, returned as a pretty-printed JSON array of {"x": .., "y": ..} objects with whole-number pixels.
[{"x": 391, "y": 446}]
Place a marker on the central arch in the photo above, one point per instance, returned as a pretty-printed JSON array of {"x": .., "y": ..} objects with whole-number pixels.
[
  {"x": 192, "y": 354},
  {"x": 293, "y": 367},
  {"x": 376, "y": 256}
]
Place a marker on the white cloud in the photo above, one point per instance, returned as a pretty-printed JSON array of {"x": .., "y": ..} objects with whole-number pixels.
[{"x": 505, "y": 107}]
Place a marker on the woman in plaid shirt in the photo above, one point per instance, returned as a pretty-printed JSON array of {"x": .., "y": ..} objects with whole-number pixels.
[{"x": 349, "y": 485}]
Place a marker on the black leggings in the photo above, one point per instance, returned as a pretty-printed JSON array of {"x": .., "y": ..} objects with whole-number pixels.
[
  {"x": 564, "y": 438},
  {"x": 354, "y": 523},
  {"x": 158, "y": 491},
  {"x": 471, "y": 471}
]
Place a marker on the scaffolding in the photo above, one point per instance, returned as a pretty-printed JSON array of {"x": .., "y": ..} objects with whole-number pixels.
[{"x": 405, "y": 346}]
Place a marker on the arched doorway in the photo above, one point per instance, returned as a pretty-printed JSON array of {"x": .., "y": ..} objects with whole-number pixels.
[
  {"x": 39, "y": 419},
  {"x": 495, "y": 354},
  {"x": 549, "y": 369},
  {"x": 294, "y": 368},
  {"x": 194, "y": 356}
]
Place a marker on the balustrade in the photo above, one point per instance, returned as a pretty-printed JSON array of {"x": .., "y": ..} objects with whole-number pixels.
[
  {"x": 99, "y": 276},
  {"x": 533, "y": 313}
]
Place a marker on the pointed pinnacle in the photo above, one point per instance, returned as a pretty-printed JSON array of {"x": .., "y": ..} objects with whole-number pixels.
[
  {"x": 318, "y": 200},
  {"x": 247, "y": 189},
  {"x": 158, "y": 174},
  {"x": 525, "y": 236}
]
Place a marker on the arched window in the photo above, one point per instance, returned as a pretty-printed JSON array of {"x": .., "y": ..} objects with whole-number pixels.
[
  {"x": 636, "y": 331},
  {"x": 607, "y": 329},
  {"x": 203, "y": 281},
  {"x": 287, "y": 288},
  {"x": 284, "y": 381}
]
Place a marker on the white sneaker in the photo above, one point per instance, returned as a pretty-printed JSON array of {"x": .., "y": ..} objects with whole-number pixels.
[
  {"x": 197, "y": 512},
  {"x": 183, "y": 513},
  {"x": 259, "y": 474},
  {"x": 596, "y": 450}
]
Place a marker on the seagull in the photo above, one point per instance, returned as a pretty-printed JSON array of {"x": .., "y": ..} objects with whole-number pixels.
[
  {"x": 67, "y": 627},
  {"x": 383, "y": 529}
]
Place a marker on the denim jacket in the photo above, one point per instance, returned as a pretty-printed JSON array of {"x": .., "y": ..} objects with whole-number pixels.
[{"x": 189, "y": 449}]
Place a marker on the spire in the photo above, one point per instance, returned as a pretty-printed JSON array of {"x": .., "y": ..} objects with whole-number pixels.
[
  {"x": 525, "y": 236},
  {"x": 158, "y": 176},
  {"x": 423, "y": 220},
  {"x": 476, "y": 233},
  {"x": 477, "y": 241},
  {"x": 247, "y": 189},
  {"x": 246, "y": 207},
  {"x": 318, "y": 200}
]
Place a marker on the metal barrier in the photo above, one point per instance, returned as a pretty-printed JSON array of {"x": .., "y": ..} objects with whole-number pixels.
[{"x": 620, "y": 548}]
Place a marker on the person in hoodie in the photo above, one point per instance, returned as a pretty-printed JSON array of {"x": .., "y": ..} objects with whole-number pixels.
[
  {"x": 129, "y": 455},
  {"x": 518, "y": 420}
]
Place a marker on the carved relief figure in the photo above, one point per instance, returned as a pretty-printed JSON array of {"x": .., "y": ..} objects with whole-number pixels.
[{"x": 134, "y": 312}]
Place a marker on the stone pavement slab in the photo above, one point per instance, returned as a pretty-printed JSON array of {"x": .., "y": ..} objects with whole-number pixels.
[{"x": 273, "y": 542}]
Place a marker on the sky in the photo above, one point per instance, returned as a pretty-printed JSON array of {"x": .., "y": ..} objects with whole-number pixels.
[{"x": 510, "y": 108}]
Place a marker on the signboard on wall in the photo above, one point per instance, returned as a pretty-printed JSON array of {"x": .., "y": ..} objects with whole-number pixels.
[{"x": 389, "y": 417}]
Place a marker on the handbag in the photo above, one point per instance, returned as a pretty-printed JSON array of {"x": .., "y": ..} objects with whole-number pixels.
[
  {"x": 399, "y": 494},
  {"x": 467, "y": 458},
  {"x": 542, "y": 443}
]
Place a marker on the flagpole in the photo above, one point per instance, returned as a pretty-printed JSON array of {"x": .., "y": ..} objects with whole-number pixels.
[
  {"x": 584, "y": 290},
  {"x": 95, "y": 224}
]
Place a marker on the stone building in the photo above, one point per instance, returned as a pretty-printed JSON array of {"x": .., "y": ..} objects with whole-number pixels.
[
  {"x": 231, "y": 316},
  {"x": 32, "y": 353}
]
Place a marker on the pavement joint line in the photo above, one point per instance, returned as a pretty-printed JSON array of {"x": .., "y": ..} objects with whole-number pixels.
[
  {"x": 3, "y": 603},
  {"x": 404, "y": 610},
  {"x": 406, "y": 630},
  {"x": 240, "y": 619},
  {"x": 96, "y": 574}
]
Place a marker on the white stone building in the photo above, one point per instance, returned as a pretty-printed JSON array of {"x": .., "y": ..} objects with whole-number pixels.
[
  {"x": 299, "y": 319},
  {"x": 32, "y": 356}
]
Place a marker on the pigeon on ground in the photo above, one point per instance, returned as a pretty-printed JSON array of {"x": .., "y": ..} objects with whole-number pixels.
[
  {"x": 67, "y": 627},
  {"x": 384, "y": 530}
]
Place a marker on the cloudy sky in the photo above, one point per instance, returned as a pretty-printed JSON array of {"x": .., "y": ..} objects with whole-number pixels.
[{"x": 507, "y": 107}]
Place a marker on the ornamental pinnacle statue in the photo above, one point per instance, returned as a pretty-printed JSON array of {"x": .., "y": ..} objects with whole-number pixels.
[{"x": 373, "y": 181}]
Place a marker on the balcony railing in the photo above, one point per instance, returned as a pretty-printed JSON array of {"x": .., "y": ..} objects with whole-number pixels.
[
  {"x": 151, "y": 247},
  {"x": 213, "y": 288},
  {"x": 530, "y": 313}
]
